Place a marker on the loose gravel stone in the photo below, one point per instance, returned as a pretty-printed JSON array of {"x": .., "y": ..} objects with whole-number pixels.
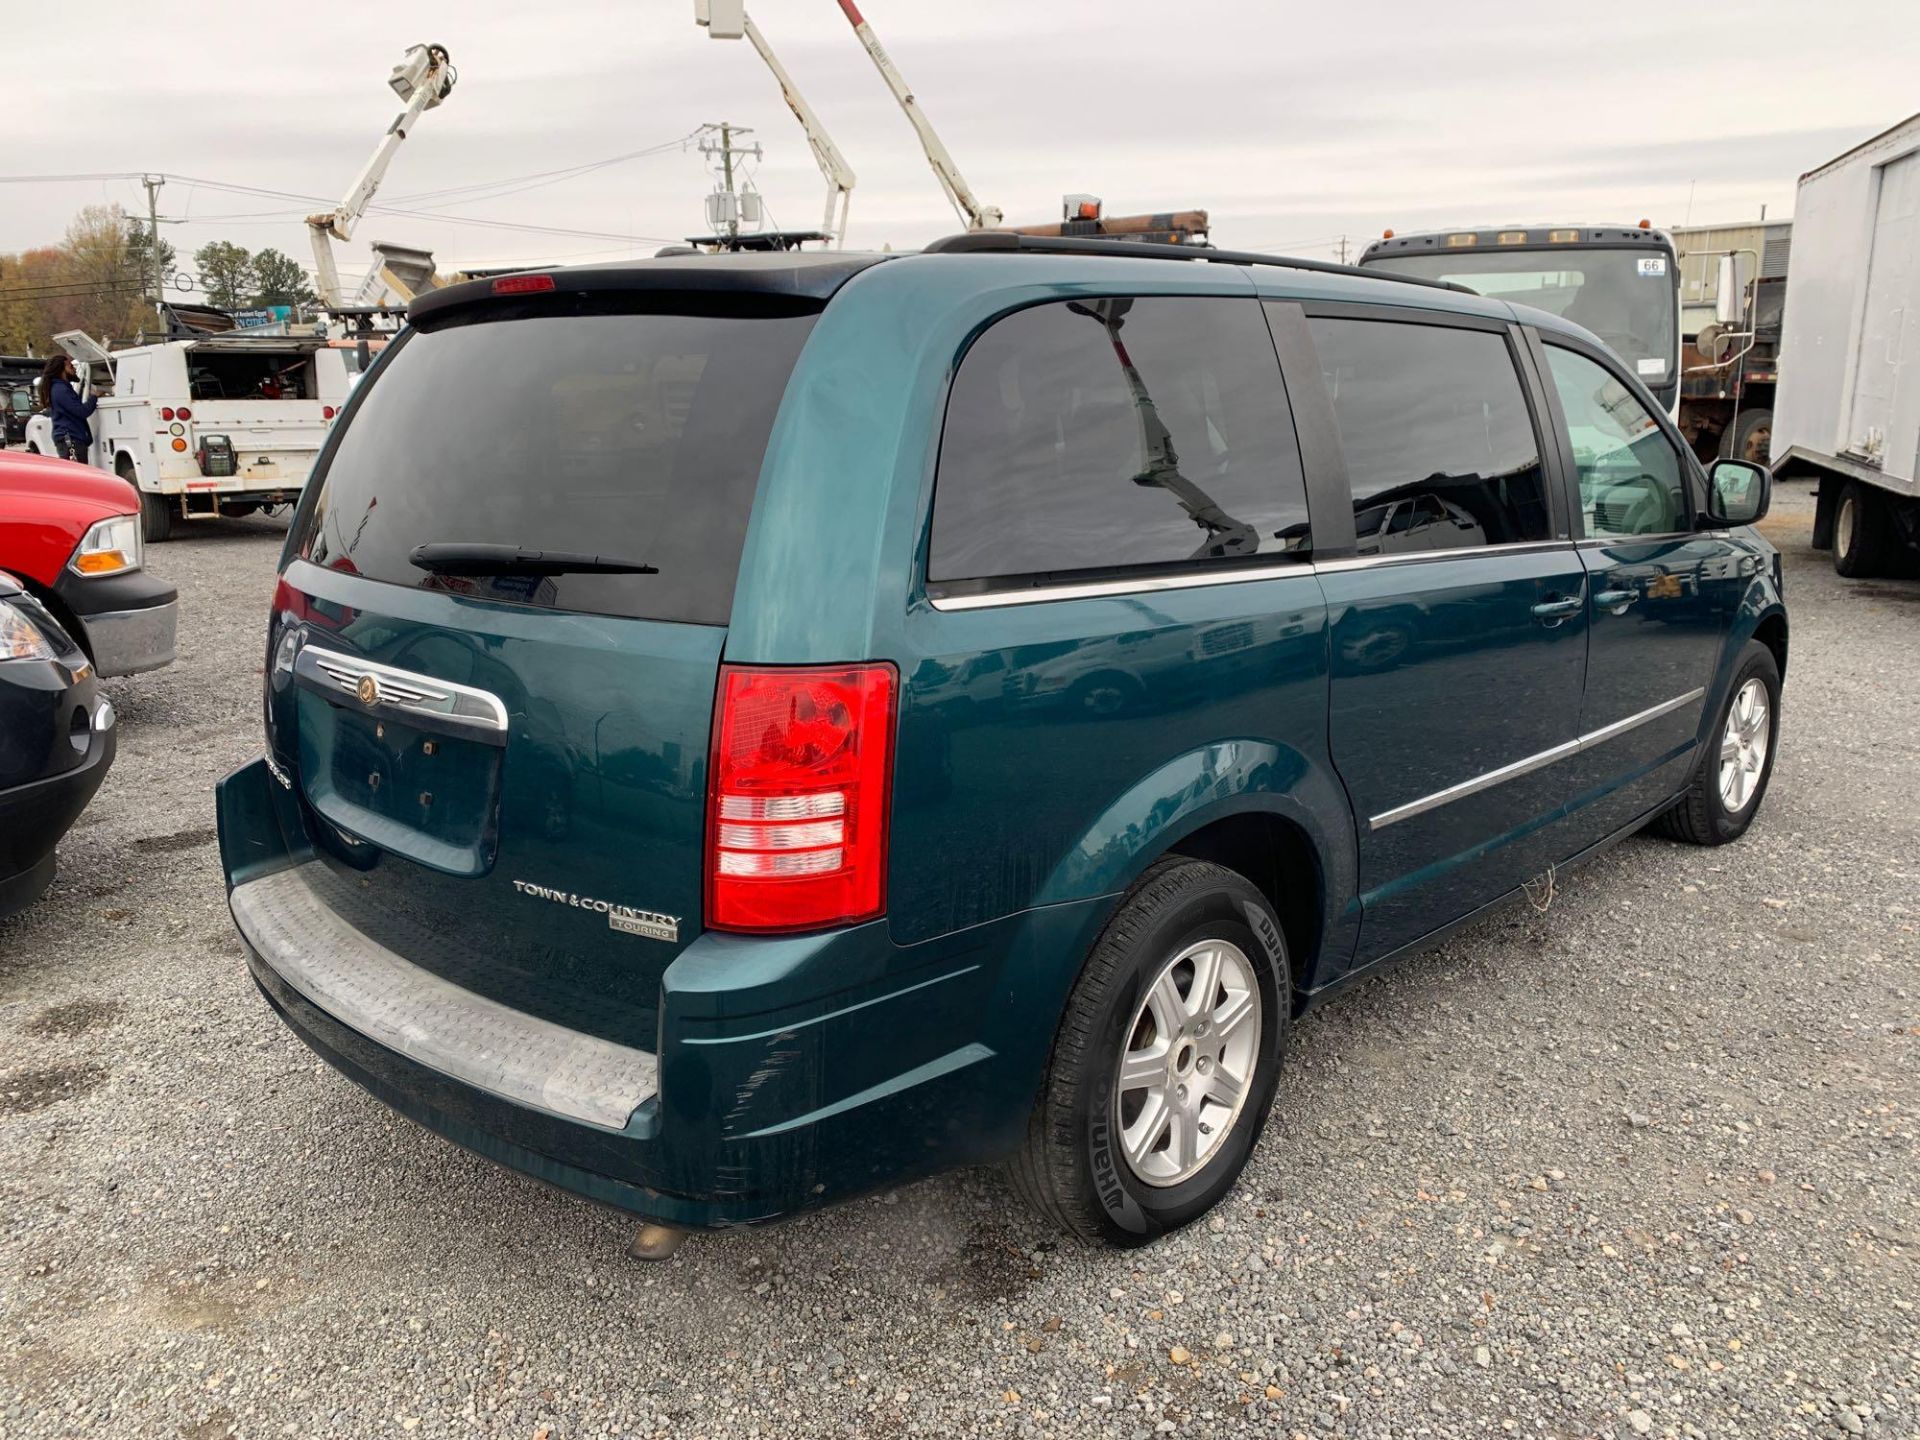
[{"x": 1643, "y": 1164}]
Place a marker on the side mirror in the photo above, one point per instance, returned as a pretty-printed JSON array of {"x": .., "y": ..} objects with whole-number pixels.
[{"x": 1738, "y": 492}]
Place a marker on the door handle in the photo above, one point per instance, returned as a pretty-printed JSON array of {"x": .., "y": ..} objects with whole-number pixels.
[
  {"x": 1554, "y": 611},
  {"x": 1615, "y": 600}
]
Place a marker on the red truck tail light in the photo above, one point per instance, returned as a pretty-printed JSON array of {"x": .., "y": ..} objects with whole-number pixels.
[
  {"x": 183, "y": 413},
  {"x": 799, "y": 791}
]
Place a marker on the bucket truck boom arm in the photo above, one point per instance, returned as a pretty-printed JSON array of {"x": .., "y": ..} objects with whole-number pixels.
[
  {"x": 423, "y": 79},
  {"x": 730, "y": 23},
  {"x": 976, "y": 215}
]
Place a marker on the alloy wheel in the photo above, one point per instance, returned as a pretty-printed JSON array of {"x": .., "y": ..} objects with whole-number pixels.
[
  {"x": 1186, "y": 1065},
  {"x": 1743, "y": 746}
]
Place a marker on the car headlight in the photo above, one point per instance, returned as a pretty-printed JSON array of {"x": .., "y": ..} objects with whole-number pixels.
[
  {"x": 110, "y": 547},
  {"x": 20, "y": 638}
]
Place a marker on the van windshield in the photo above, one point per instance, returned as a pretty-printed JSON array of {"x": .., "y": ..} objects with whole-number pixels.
[
  {"x": 1624, "y": 296},
  {"x": 627, "y": 430}
]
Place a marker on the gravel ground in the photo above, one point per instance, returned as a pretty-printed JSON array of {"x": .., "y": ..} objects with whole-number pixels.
[{"x": 1644, "y": 1164}]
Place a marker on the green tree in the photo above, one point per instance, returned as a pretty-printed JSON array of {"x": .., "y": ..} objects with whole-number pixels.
[
  {"x": 101, "y": 290},
  {"x": 226, "y": 273},
  {"x": 280, "y": 280},
  {"x": 140, "y": 255}
]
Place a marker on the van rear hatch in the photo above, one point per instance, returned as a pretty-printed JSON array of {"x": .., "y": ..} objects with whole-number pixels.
[{"x": 503, "y": 761}]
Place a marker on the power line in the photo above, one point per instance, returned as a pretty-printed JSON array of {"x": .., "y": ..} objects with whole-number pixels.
[
  {"x": 474, "y": 193},
  {"x": 56, "y": 179},
  {"x": 41, "y": 288},
  {"x": 407, "y": 206},
  {"x": 396, "y": 210}
]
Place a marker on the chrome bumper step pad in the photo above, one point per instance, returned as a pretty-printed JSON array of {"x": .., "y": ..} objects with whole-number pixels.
[{"x": 415, "y": 1013}]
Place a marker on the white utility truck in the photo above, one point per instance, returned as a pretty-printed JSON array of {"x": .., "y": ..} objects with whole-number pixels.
[
  {"x": 1847, "y": 413},
  {"x": 217, "y": 424}
]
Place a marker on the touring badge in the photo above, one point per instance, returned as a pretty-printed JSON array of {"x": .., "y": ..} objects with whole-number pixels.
[{"x": 650, "y": 923}]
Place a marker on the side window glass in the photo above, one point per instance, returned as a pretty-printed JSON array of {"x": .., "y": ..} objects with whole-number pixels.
[
  {"x": 1105, "y": 434},
  {"x": 1631, "y": 481},
  {"x": 1440, "y": 448}
]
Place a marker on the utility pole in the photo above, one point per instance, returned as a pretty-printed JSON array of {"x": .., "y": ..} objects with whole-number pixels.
[
  {"x": 727, "y": 216},
  {"x": 154, "y": 268},
  {"x": 1343, "y": 249}
]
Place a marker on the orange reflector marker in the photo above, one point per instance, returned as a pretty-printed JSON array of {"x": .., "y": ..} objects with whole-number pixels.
[
  {"x": 102, "y": 562},
  {"x": 179, "y": 444}
]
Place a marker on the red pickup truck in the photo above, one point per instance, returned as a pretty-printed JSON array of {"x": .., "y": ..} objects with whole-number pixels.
[{"x": 71, "y": 536}]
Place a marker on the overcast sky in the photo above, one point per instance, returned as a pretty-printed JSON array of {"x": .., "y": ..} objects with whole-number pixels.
[{"x": 1292, "y": 123}]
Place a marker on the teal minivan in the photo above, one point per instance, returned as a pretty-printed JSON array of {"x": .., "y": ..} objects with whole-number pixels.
[{"x": 742, "y": 731}]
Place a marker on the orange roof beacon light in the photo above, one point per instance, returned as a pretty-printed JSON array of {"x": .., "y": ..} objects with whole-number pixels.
[
  {"x": 1386, "y": 234},
  {"x": 1646, "y": 224}
]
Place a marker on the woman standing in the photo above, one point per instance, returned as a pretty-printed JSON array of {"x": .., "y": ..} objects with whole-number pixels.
[{"x": 72, "y": 432}]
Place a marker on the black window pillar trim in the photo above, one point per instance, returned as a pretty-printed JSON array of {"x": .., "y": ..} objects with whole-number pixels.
[
  {"x": 1323, "y": 463},
  {"x": 1550, "y": 424}
]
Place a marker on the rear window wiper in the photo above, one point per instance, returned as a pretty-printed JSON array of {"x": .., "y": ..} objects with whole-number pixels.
[{"x": 461, "y": 558}]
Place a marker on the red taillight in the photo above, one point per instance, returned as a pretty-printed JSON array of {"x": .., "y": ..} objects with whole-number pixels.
[
  {"x": 798, "y": 795},
  {"x": 166, "y": 412},
  {"x": 522, "y": 284},
  {"x": 183, "y": 413},
  {"x": 326, "y": 412}
]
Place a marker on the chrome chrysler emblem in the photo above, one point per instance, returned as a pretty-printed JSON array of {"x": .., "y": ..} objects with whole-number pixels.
[{"x": 368, "y": 690}]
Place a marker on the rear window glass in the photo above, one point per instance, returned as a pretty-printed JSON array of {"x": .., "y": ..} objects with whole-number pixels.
[
  {"x": 1106, "y": 434},
  {"x": 631, "y": 434}
]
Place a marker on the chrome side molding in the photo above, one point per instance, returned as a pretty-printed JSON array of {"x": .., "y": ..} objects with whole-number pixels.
[
  {"x": 1223, "y": 575},
  {"x": 1531, "y": 763}
]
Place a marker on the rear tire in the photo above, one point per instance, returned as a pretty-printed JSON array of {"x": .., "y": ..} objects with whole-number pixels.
[
  {"x": 1707, "y": 814},
  {"x": 1860, "y": 540},
  {"x": 1075, "y": 1169},
  {"x": 1752, "y": 432},
  {"x": 156, "y": 514}
]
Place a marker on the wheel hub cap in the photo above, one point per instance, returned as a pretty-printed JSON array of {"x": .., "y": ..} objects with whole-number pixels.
[
  {"x": 1743, "y": 746},
  {"x": 1187, "y": 1062}
]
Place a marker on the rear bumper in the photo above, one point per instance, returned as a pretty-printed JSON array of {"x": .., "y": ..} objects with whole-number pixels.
[
  {"x": 467, "y": 1037},
  {"x": 787, "y": 1072}
]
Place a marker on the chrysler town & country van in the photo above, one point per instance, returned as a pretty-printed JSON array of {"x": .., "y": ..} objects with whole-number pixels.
[{"x": 743, "y": 731}]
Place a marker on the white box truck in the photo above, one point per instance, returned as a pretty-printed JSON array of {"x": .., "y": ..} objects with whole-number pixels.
[
  {"x": 218, "y": 424},
  {"x": 1847, "y": 412}
]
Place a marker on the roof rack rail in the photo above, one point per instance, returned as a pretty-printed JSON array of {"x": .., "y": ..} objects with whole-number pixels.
[{"x": 976, "y": 242}]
